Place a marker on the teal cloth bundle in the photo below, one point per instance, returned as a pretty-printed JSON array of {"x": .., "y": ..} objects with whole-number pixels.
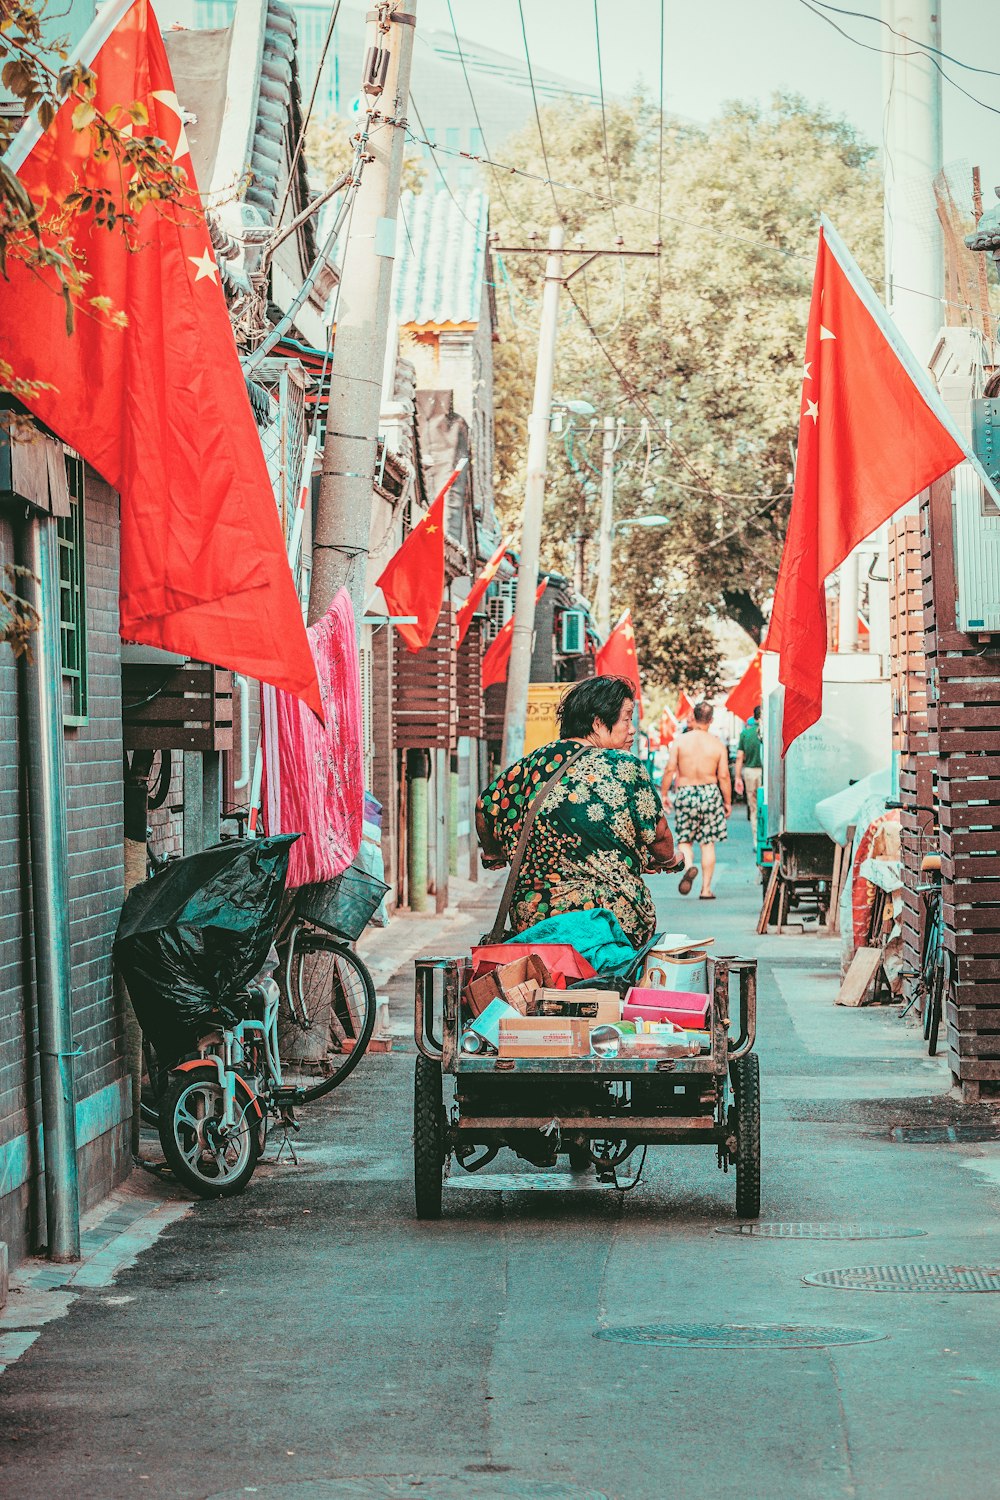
[{"x": 596, "y": 935}]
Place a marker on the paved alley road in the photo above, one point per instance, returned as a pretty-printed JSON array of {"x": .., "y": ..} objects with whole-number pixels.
[{"x": 312, "y": 1340}]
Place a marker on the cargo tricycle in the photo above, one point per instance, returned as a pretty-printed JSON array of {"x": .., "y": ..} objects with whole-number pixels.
[{"x": 596, "y": 1110}]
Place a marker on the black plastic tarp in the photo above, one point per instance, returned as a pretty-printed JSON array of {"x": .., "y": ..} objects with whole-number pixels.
[{"x": 191, "y": 938}]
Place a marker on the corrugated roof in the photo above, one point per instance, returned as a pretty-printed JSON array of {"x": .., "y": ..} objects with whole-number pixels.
[{"x": 440, "y": 257}]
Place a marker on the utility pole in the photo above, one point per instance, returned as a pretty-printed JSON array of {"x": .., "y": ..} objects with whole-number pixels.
[
  {"x": 343, "y": 522},
  {"x": 519, "y": 671},
  {"x": 602, "y": 605}
]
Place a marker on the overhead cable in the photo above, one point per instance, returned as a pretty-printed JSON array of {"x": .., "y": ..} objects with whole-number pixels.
[
  {"x": 475, "y": 110},
  {"x": 893, "y": 52},
  {"x": 538, "y": 118},
  {"x": 308, "y": 114},
  {"x": 604, "y": 118}
]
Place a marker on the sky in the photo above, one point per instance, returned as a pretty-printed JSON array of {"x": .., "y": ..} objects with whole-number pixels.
[{"x": 717, "y": 50}]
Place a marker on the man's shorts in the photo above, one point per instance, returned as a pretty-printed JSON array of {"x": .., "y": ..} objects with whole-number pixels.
[{"x": 699, "y": 815}]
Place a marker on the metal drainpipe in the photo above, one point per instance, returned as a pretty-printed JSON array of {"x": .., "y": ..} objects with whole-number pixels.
[{"x": 42, "y": 719}]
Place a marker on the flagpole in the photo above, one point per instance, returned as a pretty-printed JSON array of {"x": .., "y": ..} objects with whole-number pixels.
[{"x": 107, "y": 18}]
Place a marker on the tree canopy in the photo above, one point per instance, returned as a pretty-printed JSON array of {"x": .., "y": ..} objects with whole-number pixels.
[{"x": 706, "y": 341}]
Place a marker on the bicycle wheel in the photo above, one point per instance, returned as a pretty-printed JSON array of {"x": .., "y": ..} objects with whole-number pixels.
[
  {"x": 931, "y": 979},
  {"x": 211, "y": 1163},
  {"x": 333, "y": 990},
  {"x": 935, "y": 1001}
]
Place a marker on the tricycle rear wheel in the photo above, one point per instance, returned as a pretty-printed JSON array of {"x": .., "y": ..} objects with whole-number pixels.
[
  {"x": 745, "y": 1074},
  {"x": 428, "y": 1137}
]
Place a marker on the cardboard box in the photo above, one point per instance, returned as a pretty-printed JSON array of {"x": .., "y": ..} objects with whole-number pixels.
[
  {"x": 592, "y": 1005},
  {"x": 544, "y": 1036},
  {"x": 517, "y": 983},
  {"x": 689, "y": 1011}
]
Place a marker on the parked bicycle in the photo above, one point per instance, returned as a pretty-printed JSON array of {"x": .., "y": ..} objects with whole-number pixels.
[
  {"x": 213, "y": 1104},
  {"x": 930, "y": 984}
]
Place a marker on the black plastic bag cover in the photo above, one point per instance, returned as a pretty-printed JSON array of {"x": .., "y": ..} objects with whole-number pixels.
[{"x": 191, "y": 938}]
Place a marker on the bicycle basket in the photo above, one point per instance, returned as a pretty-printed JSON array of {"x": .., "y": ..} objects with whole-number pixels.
[{"x": 344, "y": 905}]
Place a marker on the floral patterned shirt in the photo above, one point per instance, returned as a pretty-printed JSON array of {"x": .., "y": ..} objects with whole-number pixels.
[{"x": 589, "y": 843}]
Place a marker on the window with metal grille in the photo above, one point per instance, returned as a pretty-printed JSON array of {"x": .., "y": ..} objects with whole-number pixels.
[{"x": 73, "y": 596}]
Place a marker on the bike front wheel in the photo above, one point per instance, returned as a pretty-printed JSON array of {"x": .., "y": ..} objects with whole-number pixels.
[
  {"x": 206, "y": 1156},
  {"x": 331, "y": 1001}
]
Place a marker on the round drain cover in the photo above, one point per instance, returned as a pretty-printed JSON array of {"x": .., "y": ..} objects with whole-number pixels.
[
  {"x": 738, "y": 1335},
  {"x": 820, "y": 1231},
  {"x": 422, "y": 1487},
  {"x": 910, "y": 1279}
]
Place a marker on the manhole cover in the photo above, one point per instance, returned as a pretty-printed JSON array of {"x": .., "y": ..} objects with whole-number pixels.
[
  {"x": 426, "y": 1487},
  {"x": 910, "y": 1279},
  {"x": 821, "y": 1231},
  {"x": 738, "y": 1335},
  {"x": 937, "y": 1135},
  {"x": 532, "y": 1182}
]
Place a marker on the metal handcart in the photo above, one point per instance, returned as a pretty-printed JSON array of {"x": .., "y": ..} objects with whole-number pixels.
[{"x": 596, "y": 1110}]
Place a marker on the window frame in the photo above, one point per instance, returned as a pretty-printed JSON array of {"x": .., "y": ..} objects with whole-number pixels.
[{"x": 71, "y": 570}]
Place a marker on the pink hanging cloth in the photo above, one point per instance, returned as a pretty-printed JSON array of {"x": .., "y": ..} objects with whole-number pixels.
[{"x": 314, "y": 781}]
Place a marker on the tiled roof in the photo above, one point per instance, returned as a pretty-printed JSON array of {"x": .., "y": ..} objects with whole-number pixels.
[{"x": 440, "y": 257}]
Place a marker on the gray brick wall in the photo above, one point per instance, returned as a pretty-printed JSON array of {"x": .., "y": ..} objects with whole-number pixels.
[{"x": 94, "y": 817}]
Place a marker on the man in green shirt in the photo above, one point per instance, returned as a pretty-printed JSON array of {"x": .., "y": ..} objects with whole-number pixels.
[{"x": 750, "y": 766}]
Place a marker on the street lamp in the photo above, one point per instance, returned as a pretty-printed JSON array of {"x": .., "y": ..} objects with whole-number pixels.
[{"x": 573, "y": 409}]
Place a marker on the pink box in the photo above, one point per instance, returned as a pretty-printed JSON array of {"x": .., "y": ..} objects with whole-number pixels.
[{"x": 690, "y": 1011}]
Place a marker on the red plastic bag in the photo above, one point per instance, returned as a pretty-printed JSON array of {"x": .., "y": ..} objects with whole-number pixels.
[{"x": 562, "y": 961}]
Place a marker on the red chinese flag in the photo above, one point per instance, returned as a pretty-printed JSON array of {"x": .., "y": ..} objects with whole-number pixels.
[
  {"x": 617, "y": 657},
  {"x": 668, "y": 727},
  {"x": 745, "y": 696},
  {"x": 872, "y": 434},
  {"x": 158, "y": 406},
  {"x": 478, "y": 589},
  {"x": 684, "y": 709},
  {"x": 498, "y": 653},
  {"x": 413, "y": 580}
]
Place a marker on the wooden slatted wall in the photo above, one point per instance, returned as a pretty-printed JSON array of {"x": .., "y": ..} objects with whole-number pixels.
[
  {"x": 964, "y": 724},
  {"x": 908, "y": 673},
  {"x": 471, "y": 708},
  {"x": 425, "y": 690}
]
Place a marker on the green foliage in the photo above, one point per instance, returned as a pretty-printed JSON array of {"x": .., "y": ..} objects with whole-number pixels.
[
  {"x": 19, "y": 619},
  {"x": 34, "y": 68},
  {"x": 710, "y": 338}
]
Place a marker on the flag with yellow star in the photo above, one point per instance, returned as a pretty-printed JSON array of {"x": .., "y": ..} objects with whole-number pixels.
[
  {"x": 617, "y": 657},
  {"x": 147, "y": 387},
  {"x": 873, "y": 433},
  {"x": 412, "y": 581}
]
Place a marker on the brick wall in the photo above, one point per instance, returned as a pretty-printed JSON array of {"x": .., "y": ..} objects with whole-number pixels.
[{"x": 94, "y": 817}]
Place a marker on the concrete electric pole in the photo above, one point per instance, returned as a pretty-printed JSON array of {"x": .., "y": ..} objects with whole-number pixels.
[
  {"x": 602, "y": 602},
  {"x": 343, "y": 523},
  {"x": 914, "y": 250},
  {"x": 519, "y": 671}
]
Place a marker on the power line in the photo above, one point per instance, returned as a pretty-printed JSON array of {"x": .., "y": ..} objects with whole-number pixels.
[
  {"x": 308, "y": 114},
  {"x": 863, "y": 15},
  {"x": 437, "y": 166},
  {"x": 892, "y": 52},
  {"x": 479, "y": 123},
  {"x": 638, "y": 400},
  {"x": 604, "y": 118},
  {"x": 538, "y": 118},
  {"x": 712, "y": 229}
]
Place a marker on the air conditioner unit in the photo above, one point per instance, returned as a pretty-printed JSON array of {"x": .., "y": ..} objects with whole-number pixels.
[
  {"x": 500, "y": 607},
  {"x": 957, "y": 367},
  {"x": 572, "y": 633}
]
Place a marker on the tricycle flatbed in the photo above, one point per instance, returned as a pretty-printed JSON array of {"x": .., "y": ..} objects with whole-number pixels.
[{"x": 596, "y": 1109}]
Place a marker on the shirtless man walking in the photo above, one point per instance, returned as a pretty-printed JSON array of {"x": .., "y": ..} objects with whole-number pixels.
[{"x": 700, "y": 766}]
